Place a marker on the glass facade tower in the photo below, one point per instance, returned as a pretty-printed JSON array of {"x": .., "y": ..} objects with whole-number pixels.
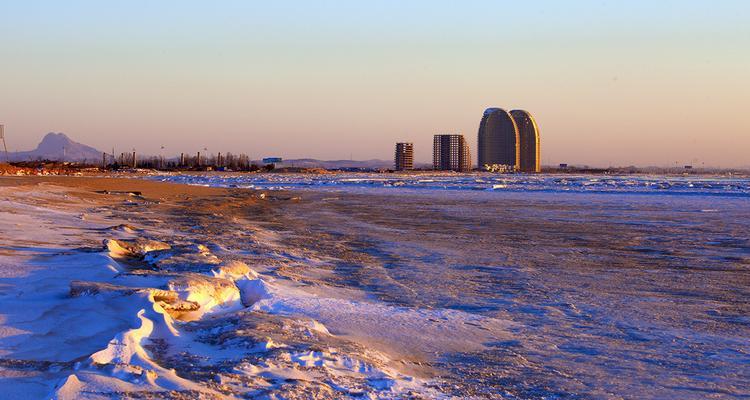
[{"x": 498, "y": 139}]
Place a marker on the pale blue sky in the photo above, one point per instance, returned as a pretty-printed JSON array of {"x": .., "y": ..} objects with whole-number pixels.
[{"x": 609, "y": 82}]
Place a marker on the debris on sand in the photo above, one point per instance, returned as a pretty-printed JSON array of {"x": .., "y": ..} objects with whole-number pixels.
[
  {"x": 169, "y": 300},
  {"x": 84, "y": 288},
  {"x": 234, "y": 270},
  {"x": 124, "y": 228},
  {"x": 133, "y": 248},
  {"x": 196, "y": 258},
  {"x": 207, "y": 291},
  {"x": 121, "y": 192}
]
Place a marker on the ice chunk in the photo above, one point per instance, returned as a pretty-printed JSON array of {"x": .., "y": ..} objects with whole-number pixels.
[
  {"x": 254, "y": 290},
  {"x": 136, "y": 248},
  {"x": 233, "y": 270}
]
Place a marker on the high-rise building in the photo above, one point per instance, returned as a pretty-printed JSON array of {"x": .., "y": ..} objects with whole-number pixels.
[
  {"x": 404, "y": 158},
  {"x": 529, "y": 151},
  {"x": 498, "y": 140},
  {"x": 451, "y": 153}
]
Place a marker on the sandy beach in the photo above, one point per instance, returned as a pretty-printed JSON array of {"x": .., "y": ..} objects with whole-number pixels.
[
  {"x": 118, "y": 287},
  {"x": 190, "y": 295}
]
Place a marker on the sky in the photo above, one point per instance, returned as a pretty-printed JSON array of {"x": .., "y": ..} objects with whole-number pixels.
[{"x": 609, "y": 82}]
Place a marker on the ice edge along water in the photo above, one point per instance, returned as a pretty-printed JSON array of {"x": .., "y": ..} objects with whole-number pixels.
[{"x": 522, "y": 183}]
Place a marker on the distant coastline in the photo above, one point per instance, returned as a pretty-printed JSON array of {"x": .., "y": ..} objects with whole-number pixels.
[
  {"x": 47, "y": 167},
  {"x": 58, "y": 154}
]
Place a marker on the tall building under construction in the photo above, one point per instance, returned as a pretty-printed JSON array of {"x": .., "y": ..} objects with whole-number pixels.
[
  {"x": 508, "y": 140},
  {"x": 404, "y": 158},
  {"x": 451, "y": 153}
]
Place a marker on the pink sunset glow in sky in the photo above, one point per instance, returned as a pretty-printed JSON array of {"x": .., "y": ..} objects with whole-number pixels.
[{"x": 613, "y": 83}]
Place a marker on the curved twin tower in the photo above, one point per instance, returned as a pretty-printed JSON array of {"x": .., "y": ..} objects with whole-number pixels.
[{"x": 509, "y": 139}]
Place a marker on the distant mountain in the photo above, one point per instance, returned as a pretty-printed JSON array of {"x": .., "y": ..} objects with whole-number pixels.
[{"x": 58, "y": 147}]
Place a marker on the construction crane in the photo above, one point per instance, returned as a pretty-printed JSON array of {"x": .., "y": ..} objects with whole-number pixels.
[{"x": 5, "y": 147}]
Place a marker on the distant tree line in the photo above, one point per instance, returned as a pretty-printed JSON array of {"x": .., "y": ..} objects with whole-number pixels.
[{"x": 199, "y": 161}]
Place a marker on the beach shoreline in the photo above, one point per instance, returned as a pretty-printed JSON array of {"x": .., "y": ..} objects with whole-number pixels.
[
  {"x": 395, "y": 293},
  {"x": 182, "y": 219}
]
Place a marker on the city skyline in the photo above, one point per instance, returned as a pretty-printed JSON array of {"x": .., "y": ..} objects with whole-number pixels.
[{"x": 335, "y": 80}]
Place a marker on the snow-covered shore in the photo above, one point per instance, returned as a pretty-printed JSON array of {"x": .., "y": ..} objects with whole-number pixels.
[
  {"x": 134, "y": 288},
  {"x": 95, "y": 307}
]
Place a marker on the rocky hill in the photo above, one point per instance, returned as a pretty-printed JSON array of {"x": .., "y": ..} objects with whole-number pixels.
[{"x": 58, "y": 147}]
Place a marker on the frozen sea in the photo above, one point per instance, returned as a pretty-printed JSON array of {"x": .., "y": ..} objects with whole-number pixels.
[
  {"x": 615, "y": 286},
  {"x": 628, "y": 184}
]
